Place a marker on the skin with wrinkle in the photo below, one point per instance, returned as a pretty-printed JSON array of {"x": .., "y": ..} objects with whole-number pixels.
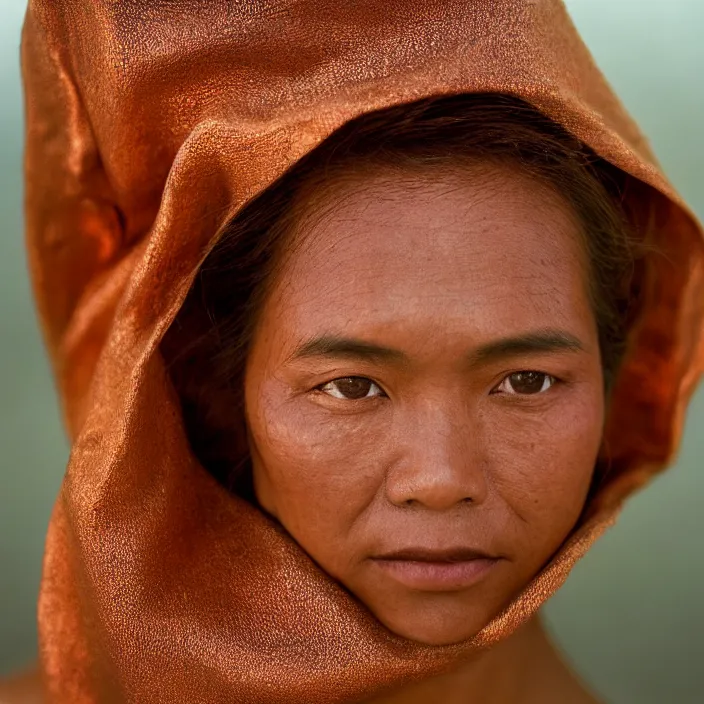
[{"x": 441, "y": 453}]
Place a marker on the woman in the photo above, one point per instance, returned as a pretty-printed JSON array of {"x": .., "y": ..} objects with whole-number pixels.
[
  {"x": 427, "y": 436},
  {"x": 426, "y": 370}
]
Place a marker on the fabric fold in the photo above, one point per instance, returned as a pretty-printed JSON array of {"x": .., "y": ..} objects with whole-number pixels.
[{"x": 150, "y": 124}]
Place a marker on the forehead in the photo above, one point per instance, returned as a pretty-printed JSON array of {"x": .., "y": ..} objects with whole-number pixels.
[{"x": 485, "y": 247}]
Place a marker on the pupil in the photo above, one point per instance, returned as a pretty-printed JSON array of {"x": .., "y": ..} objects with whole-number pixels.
[
  {"x": 527, "y": 382},
  {"x": 354, "y": 386}
]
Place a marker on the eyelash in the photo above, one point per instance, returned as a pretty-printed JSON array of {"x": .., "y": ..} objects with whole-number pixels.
[
  {"x": 341, "y": 378},
  {"x": 553, "y": 382}
]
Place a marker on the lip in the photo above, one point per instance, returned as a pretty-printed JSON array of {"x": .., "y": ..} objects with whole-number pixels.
[{"x": 447, "y": 570}]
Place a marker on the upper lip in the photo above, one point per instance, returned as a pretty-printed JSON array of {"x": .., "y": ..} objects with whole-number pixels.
[{"x": 418, "y": 554}]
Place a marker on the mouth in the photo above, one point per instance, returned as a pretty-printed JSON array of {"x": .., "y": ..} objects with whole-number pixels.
[{"x": 425, "y": 569}]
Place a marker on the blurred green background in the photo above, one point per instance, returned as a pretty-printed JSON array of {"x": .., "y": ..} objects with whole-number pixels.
[{"x": 631, "y": 616}]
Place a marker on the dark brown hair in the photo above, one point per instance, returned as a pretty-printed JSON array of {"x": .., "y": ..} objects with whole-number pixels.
[{"x": 207, "y": 345}]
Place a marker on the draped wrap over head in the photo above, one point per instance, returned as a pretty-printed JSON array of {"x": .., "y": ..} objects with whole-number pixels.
[{"x": 150, "y": 123}]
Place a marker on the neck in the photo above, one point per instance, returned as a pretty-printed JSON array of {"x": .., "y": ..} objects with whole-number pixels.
[{"x": 525, "y": 668}]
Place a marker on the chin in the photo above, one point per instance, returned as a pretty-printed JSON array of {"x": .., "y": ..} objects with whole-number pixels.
[{"x": 439, "y": 621}]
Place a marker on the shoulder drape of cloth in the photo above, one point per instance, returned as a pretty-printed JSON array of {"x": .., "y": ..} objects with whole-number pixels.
[{"x": 149, "y": 124}]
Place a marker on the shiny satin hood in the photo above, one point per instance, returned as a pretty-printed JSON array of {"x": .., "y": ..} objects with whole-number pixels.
[{"x": 150, "y": 123}]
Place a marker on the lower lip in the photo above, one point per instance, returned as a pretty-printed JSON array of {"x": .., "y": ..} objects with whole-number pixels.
[{"x": 437, "y": 576}]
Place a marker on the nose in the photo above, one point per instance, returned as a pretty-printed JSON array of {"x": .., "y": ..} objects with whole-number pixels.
[{"x": 441, "y": 463}]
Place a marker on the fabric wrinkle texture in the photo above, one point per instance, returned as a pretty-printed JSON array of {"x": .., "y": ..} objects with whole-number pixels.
[{"x": 150, "y": 123}]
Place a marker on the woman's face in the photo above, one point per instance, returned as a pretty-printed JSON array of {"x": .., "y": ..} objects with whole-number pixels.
[{"x": 425, "y": 388}]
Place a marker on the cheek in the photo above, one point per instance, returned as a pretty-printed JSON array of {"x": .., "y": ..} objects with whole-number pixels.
[
  {"x": 542, "y": 463},
  {"x": 312, "y": 470}
]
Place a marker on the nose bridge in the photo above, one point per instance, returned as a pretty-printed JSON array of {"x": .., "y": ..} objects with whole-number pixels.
[{"x": 440, "y": 464}]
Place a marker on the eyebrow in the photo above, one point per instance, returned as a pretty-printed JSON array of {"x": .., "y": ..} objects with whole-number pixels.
[{"x": 329, "y": 345}]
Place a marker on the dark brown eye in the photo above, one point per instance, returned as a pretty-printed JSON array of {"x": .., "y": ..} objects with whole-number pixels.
[
  {"x": 351, "y": 388},
  {"x": 526, "y": 382}
]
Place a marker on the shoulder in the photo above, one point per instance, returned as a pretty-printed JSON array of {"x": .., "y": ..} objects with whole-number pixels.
[{"x": 24, "y": 688}]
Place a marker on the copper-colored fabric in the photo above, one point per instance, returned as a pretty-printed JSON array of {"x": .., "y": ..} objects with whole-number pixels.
[{"x": 149, "y": 124}]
